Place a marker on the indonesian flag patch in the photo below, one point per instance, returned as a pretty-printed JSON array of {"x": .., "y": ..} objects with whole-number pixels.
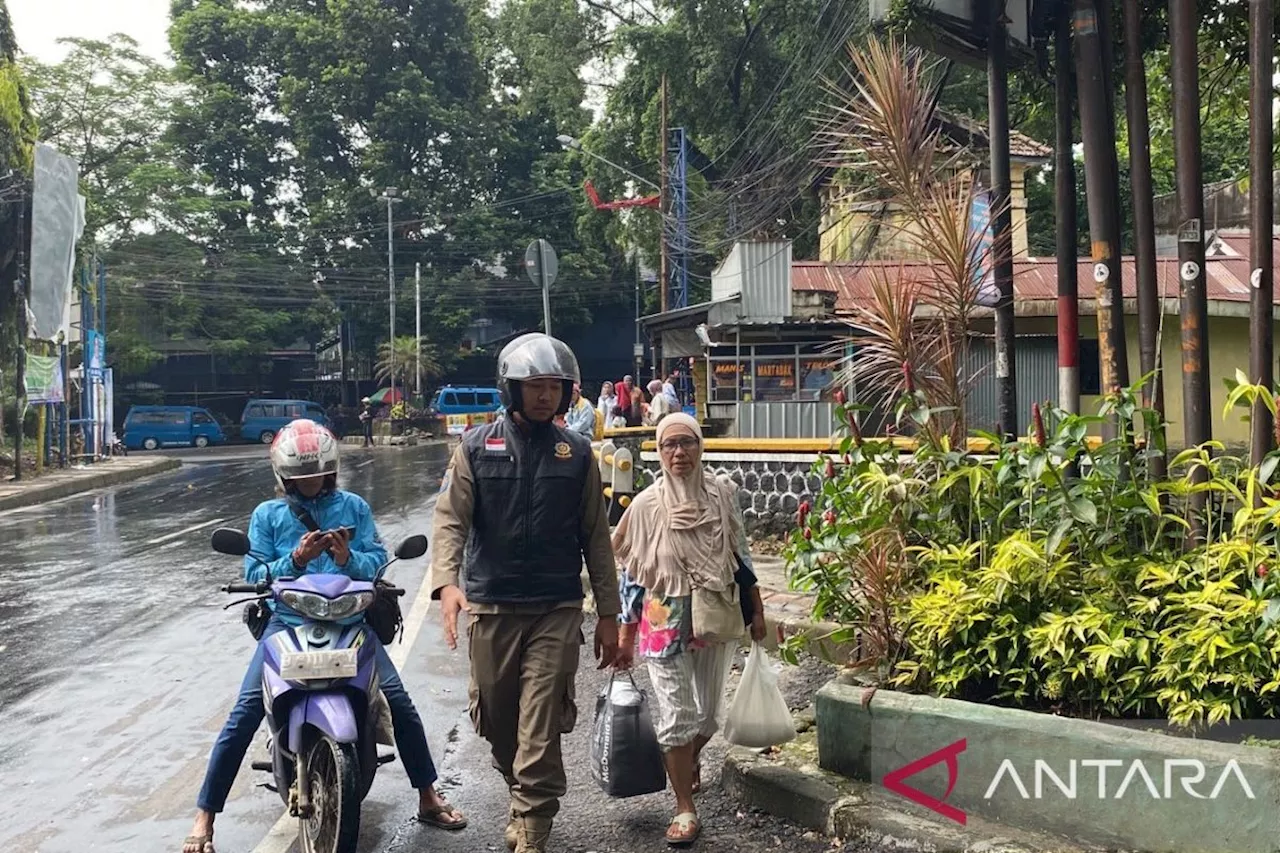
[{"x": 495, "y": 445}]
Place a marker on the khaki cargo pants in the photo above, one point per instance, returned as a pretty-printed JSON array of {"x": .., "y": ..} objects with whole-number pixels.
[{"x": 522, "y": 700}]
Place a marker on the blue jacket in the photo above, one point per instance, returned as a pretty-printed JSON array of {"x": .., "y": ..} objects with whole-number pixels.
[{"x": 274, "y": 532}]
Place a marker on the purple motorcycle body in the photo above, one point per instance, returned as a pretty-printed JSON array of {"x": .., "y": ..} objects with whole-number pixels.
[{"x": 341, "y": 708}]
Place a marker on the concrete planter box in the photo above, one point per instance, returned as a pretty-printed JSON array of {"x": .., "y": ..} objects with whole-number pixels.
[{"x": 1133, "y": 789}]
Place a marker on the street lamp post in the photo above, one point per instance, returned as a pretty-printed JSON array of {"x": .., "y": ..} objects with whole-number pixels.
[
  {"x": 391, "y": 196},
  {"x": 575, "y": 144}
]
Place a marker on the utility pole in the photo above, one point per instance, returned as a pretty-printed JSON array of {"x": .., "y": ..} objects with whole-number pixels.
[
  {"x": 1262, "y": 219},
  {"x": 1144, "y": 227},
  {"x": 1102, "y": 182},
  {"x": 390, "y": 197},
  {"x": 1064, "y": 169},
  {"x": 20, "y": 300},
  {"x": 1194, "y": 308},
  {"x": 417, "y": 327},
  {"x": 637, "y": 349},
  {"x": 662, "y": 204},
  {"x": 1002, "y": 237}
]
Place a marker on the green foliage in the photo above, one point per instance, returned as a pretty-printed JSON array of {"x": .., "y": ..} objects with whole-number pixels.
[
  {"x": 402, "y": 359},
  {"x": 1053, "y": 572},
  {"x": 17, "y": 140}
]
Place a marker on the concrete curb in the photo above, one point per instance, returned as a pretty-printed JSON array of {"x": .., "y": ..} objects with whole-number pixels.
[
  {"x": 1009, "y": 754},
  {"x": 787, "y": 786},
  {"x": 39, "y": 493}
]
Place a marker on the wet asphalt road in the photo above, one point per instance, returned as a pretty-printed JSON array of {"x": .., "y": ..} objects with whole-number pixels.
[{"x": 119, "y": 667}]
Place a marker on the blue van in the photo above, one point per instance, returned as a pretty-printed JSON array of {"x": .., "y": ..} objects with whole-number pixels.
[
  {"x": 262, "y": 419},
  {"x": 461, "y": 408},
  {"x": 152, "y": 427}
]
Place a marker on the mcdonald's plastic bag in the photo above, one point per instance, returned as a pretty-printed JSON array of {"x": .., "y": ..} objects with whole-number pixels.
[
  {"x": 626, "y": 760},
  {"x": 759, "y": 715}
]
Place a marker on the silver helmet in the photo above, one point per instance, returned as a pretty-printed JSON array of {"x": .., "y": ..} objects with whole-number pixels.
[{"x": 536, "y": 356}]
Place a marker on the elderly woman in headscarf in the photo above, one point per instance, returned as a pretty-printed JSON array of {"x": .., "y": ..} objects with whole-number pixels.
[
  {"x": 682, "y": 534},
  {"x": 659, "y": 406}
]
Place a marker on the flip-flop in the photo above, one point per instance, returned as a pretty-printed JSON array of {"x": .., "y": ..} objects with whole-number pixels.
[
  {"x": 431, "y": 817},
  {"x": 689, "y": 828},
  {"x": 204, "y": 843}
]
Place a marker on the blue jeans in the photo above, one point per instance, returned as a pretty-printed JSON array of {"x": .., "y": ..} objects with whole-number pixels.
[{"x": 248, "y": 713}]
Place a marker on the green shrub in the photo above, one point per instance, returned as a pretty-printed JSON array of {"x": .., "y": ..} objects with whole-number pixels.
[{"x": 1054, "y": 572}]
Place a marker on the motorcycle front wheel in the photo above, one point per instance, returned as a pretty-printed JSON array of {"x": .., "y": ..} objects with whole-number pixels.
[{"x": 334, "y": 824}]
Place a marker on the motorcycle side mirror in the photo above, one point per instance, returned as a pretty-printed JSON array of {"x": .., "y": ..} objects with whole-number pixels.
[
  {"x": 412, "y": 548},
  {"x": 228, "y": 540}
]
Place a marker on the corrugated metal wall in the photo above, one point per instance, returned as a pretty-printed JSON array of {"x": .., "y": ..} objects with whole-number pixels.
[
  {"x": 1035, "y": 371},
  {"x": 798, "y": 419},
  {"x": 766, "y": 286}
]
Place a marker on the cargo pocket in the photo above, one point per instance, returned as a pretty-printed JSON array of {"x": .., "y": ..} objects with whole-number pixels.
[
  {"x": 568, "y": 707},
  {"x": 473, "y": 686},
  {"x": 569, "y": 693}
]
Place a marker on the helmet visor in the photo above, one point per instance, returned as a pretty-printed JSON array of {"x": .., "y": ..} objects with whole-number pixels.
[{"x": 538, "y": 358}]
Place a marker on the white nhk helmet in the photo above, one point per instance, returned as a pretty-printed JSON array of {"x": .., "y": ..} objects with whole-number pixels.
[{"x": 303, "y": 449}]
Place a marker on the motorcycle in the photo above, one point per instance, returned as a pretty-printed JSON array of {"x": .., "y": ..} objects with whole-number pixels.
[{"x": 321, "y": 692}]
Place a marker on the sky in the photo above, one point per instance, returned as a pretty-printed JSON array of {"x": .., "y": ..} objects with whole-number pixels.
[{"x": 38, "y": 24}]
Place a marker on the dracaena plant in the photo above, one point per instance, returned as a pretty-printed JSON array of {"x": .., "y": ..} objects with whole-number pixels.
[{"x": 880, "y": 124}]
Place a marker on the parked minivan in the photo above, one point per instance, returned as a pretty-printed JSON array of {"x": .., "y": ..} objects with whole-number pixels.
[
  {"x": 262, "y": 419},
  {"x": 152, "y": 427},
  {"x": 464, "y": 407}
]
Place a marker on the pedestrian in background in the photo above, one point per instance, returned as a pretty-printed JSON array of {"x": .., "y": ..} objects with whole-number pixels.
[
  {"x": 581, "y": 417},
  {"x": 607, "y": 400},
  {"x": 636, "y": 408},
  {"x": 659, "y": 406},
  {"x": 684, "y": 532},
  {"x": 366, "y": 421}
]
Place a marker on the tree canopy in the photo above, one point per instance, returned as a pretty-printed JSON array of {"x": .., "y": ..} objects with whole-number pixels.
[{"x": 236, "y": 197}]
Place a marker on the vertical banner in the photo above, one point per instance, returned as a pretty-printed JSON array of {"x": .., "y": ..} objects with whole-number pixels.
[
  {"x": 43, "y": 379},
  {"x": 94, "y": 350},
  {"x": 983, "y": 262},
  {"x": 109, "y": 402},
  {"x": 57, "y": 222}
]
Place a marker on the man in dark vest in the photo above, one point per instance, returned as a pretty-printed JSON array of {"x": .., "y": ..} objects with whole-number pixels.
[{"x": 520, "y": 507}]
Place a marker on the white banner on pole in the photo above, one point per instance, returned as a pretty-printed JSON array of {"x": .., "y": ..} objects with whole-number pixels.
[{"x": 57, "y": 222}]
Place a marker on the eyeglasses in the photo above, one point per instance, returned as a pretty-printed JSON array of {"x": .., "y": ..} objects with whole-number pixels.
[{"x": 684, "y": 443}]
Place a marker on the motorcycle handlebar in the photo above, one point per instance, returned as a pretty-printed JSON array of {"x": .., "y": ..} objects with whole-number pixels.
[{"x": 252, "y": 588}]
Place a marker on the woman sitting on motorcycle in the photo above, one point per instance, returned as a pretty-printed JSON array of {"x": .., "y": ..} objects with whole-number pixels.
[{"x": 304, "y": 458}]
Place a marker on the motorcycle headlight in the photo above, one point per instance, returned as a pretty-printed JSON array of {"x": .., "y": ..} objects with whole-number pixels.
[
  {"x": 308, "y": 604},
  {"x": 318, "y": 607},
  {"x": 350, "y": 604}
]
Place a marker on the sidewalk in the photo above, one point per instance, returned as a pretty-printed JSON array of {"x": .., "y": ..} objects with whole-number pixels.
[{"x": 59, "y": 483}]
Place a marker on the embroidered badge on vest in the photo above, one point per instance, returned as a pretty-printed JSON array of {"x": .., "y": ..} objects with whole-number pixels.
[
  {"x": 495, "y": 445},
  {"x": 563, "y": 450}
]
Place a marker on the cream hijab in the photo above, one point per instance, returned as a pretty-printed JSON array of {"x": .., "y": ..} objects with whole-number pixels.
[{"x": 680, "y": 533}]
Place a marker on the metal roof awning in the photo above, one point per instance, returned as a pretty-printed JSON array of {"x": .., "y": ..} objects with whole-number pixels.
[{"x": 682, "y": 318}]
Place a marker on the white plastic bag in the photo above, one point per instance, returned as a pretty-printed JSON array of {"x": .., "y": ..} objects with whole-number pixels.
[{"x": 759, "y": 716}]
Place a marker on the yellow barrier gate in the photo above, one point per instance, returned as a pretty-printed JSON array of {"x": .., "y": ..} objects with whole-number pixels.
[{"x": 617, "y": 473}]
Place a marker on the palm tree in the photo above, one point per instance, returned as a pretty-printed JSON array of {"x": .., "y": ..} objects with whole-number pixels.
[{"x": 403, "y": 354}]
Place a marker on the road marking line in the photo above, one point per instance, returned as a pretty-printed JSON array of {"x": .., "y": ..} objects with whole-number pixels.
[
  {"x": 365, "y": 464},
  {"x": 192, "y": 529},
  {"x": 281, "y": 837}
]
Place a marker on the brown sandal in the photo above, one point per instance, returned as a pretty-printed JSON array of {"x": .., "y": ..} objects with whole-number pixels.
[
  {"x": 432, "y": 817},
  {"x": 201, "y": 843}
]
